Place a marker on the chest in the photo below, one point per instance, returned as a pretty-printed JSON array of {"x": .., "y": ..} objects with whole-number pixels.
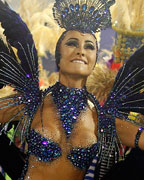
[{"x": 48, "y": 122}]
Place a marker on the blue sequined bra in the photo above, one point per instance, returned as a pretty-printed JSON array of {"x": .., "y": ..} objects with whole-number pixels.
[{"x": 46, "y": 150}]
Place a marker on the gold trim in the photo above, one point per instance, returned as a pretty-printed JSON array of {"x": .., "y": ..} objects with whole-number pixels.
[{"x": 128, "y": 33}]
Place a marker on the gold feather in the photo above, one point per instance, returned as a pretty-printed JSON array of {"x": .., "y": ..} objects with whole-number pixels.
[
  {"x": 128, "y": 14},
  {"x": 100, "y": 82}
]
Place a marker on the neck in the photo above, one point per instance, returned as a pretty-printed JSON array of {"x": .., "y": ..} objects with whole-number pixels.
[{"x": 72, "y": 81}]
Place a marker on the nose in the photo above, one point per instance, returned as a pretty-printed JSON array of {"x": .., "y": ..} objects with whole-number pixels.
[
  {"x": 80, "y": 54},
  {"x": 80, "y": 51}
]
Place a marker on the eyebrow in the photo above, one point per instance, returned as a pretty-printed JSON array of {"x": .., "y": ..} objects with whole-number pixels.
[
  {"x": 87, "y": 41},
  {"x": 73, "y": 39}
]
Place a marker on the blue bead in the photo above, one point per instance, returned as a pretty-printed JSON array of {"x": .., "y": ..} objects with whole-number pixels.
[
  {"x": 70, "y": 102},
  {"x": 77, "y": 7},
  {"x": 66, "y": 10},
  {"x": 28, "y": 75},
  {"x": 97, "y": 19},
  {"x": 69, "y": 132},
  {"x": 95, "y": 13},
  {"x": 63, "y": 14},
  {"x": 81, "y": 157},
  {"x": 71, "y": 7},
  {"x": 91, "y": 9},
  {"x": 106, "y": 11},
  {"x": 42, "y": 148},
  {"x": 84, "y": 7}
]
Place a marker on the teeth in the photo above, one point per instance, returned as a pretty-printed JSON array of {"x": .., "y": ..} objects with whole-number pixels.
[{"x": 78, "y": 61}]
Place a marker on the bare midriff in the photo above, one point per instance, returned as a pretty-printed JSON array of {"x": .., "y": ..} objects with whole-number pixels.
[{"x": 60, "y": 169}]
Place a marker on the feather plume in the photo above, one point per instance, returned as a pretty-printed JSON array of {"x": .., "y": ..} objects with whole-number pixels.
[
  {"x": 23, "y": 75},
  {"x": 41, "y": 24},
  {"x": 128, "y": 89},
  {"x": 6, "y": 91},
  {"x": 27, "y": 9},
  {"x": 128, "y": 14},
  {"x": 19, "y": 38},
  {"x": 100, "y": 82},
  {"x": 120, "y": 14},
  {"x": 44, "y": 28},
  {"x": 5, "y": 49},
  {"x": 136, "y": 10}
]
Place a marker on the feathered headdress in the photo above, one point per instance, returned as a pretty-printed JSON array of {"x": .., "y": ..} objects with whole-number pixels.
[{"x": 85, "y": 15}]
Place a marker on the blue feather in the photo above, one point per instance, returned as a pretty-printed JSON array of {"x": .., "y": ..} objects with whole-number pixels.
[{"x": 19, "y": 36}]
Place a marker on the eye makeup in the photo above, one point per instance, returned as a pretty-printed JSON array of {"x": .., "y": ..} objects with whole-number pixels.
[
  {"x": 75, "y": 42},
  {"x": 72, "y": 43},
  {"x": 89, "y": 46}
]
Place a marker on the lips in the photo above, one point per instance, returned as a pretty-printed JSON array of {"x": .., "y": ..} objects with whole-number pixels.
[{"x": 81, "y": 61}]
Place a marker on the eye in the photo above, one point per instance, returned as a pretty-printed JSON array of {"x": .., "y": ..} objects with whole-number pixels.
[
  {"x": 72, "y": 43},
  {"x": 89, "y": 46}
]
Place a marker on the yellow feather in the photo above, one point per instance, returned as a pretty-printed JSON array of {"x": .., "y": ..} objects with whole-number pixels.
[
  {"x": 128, "y": 14},
  {"x": 100, "y": 82}
]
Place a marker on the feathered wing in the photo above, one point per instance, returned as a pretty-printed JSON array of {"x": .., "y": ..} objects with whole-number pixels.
[
  {"x": 19, "y": 71},
  {"x": 126, "y": 99},
  {"x": 19, "y": 36},
  {"x": 4, "y": 49}
]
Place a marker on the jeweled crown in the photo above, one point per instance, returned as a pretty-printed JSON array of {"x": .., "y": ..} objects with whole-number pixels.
[{"x": 85, "y": 15}]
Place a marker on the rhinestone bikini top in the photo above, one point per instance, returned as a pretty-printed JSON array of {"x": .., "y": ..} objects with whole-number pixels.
[{"x": 47, "y": 151}]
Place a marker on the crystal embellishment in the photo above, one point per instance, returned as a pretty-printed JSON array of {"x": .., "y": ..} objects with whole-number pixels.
[
  {"x": 70, "y": 102},
  {"x": 87, "y": 16}
]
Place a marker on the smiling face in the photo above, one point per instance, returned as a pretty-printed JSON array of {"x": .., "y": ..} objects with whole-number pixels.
[{"x": 78, "y": 54}]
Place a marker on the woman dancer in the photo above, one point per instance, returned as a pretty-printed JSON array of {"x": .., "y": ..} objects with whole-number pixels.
[{"x": 64, "y": 126}]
